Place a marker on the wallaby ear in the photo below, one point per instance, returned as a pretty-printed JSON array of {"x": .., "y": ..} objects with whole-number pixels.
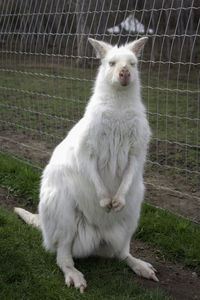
[
  {"x": 101, "y": 48},
  {"x": 136, "y": 46}
]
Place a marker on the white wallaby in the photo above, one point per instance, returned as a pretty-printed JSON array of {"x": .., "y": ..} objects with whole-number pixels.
[{"x": 92, "y": 188}]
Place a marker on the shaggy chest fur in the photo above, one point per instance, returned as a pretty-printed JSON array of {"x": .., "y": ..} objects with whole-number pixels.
[{"x": 116, "y": 136}]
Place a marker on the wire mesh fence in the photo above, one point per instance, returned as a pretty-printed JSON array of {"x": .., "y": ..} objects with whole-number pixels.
[{"x": 48, "y": 69}]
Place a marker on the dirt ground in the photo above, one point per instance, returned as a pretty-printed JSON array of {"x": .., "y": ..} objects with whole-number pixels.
[{"x": 178, "y": 282}]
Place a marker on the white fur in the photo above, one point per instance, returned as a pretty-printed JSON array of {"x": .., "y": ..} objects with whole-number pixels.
[{"x": 92, "y": 188}]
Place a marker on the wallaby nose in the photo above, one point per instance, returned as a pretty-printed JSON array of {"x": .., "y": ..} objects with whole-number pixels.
[
  {"x": 124, "y": 73},
  {"x": 124, "y": 76}
]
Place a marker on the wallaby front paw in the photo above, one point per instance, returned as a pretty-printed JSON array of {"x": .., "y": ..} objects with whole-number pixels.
[
  {"x": 106, "y": 203},
  {"x": 118, "y": 203}
]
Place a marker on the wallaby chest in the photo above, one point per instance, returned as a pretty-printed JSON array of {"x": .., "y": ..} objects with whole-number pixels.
[{"x": 116, "y": 136}]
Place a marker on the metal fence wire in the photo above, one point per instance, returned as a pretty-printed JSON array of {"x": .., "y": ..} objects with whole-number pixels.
[{"x": 48, "y": 69}]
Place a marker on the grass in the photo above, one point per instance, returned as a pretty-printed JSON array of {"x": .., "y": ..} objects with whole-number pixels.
[
  {"x": 175, "y": 238},
  {"x": 42, "y": 104},
  {"x": 37, "y": 95},
  {"x": 19, "y": 179}
]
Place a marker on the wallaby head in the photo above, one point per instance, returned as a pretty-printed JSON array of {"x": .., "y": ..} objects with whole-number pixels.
[{"x": 119, "y": 64}]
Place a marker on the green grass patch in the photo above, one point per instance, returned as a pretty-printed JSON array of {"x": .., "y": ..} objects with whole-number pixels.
[
  {"x": 176, "y": 238},
  {"x": 45, "y": 99},
  {"x": 29, "y": 272},
  {"x": 19, "y": 179}
]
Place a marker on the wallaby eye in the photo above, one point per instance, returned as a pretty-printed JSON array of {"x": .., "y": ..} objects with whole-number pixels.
[
  {"x": 133, "y": 64},
  {"x": 112, "y": 63}
]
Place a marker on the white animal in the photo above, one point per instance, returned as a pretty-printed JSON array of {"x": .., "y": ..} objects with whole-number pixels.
[{"x": 92, "y": 188}]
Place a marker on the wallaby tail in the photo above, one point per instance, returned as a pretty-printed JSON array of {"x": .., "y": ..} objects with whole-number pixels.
[{"x": 29, "y": 218}]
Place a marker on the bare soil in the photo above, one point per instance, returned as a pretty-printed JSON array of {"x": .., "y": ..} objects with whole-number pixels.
[
  {"x": 176, "y": 281},
  {"x": 182, "y": 205}
]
